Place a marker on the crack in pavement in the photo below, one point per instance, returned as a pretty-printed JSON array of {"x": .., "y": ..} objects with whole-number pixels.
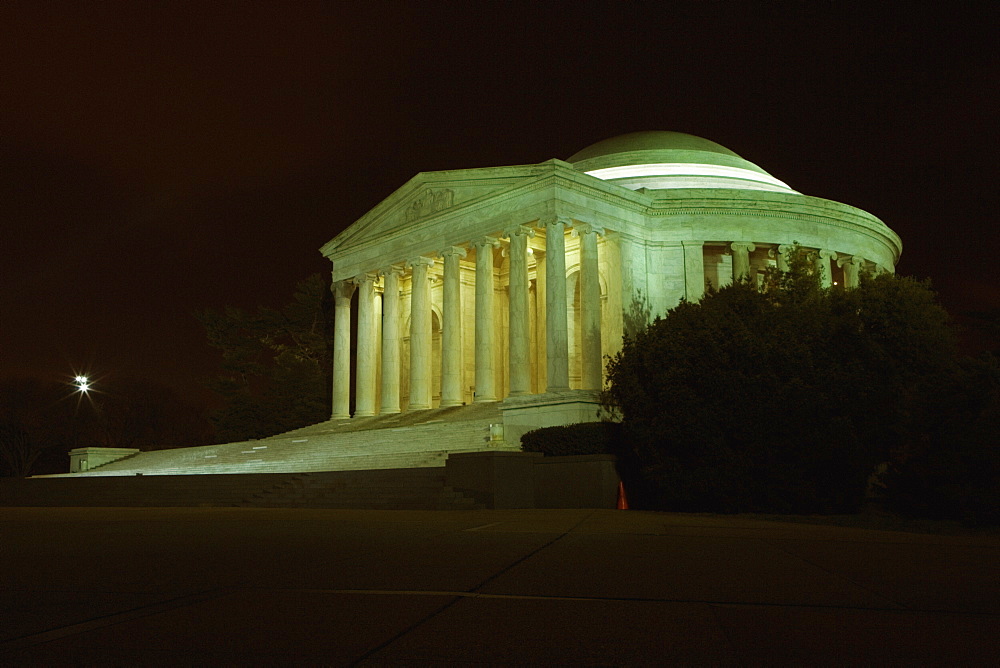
[{"x": 471, "y": 593}]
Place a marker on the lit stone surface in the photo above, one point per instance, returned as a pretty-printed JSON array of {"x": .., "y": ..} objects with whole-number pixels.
[
  {"x": 451, "y": 334},
  {"x": 365, "y": 379},
  {"x": 556, "y": 336},
  {"x": 780, "y": 255},
  {"x": 518, "y": 317},
  {"x": 623, "y": 230},
  {"x": 852, "y": 267},
  {"x": 694, "y": 270},
  {"x": 342, "y": 291},
  {"x": 420, "y": 335},
  {"x": 390, "y": 341},
  {"x": 741, "y": 260},
  {"x": 590, "y": 309},
  {"x": 823, "y": 267},
  {"x": 485, "y": 379}
]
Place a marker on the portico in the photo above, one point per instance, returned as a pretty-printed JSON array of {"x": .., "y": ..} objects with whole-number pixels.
[{"x": 471, "y": 318}]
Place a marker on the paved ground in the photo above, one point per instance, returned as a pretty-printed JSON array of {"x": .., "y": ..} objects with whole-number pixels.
[{"x": 236, "y": 586}]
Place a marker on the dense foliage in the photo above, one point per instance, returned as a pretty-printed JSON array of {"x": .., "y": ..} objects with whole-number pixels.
[
  {"x": 949, "y": 466},
  {"x": 276, "y": 363},
  {"x": 587, "y": 438},
  {"x": 782, "y": 398}
]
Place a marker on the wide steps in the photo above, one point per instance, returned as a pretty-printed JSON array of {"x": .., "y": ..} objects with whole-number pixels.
[
  {"x": 378, "y": 462},
  {"x": 329, "y": 446}
]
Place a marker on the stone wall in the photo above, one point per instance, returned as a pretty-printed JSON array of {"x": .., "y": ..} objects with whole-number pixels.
[{"x": 530, "y": 480}]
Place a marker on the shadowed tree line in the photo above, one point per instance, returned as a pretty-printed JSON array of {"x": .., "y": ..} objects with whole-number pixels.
[
  {"x": 41, "y": 421},
  {"x": 275, "y": 376},
  {"x": 276, "y": 363}
]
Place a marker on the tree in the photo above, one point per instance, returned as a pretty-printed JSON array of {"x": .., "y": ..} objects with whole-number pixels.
[
  {"x": 276, "y": 364},
  {"x": 780, "y": 399},
  {"x": 35, "y": 419},
  {"x": 139, "y": 413},
  {"x": 40, "y": 422}
]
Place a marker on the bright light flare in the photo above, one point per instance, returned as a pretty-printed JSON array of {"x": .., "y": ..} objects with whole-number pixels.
[{"x": 82, "y": 383}]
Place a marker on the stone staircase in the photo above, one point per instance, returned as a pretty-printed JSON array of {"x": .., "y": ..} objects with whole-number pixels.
[
  {"x": 418, "y": 439},
  {"x": 382, "y": 462}
]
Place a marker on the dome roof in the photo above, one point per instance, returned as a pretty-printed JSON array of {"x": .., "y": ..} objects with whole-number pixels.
[
  {"x": 650, "y": 141},
  {"x": 658, "y": 160}
]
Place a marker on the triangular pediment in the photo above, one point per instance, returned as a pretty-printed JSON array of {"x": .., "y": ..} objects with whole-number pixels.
[{"x": 428, "y": 196}]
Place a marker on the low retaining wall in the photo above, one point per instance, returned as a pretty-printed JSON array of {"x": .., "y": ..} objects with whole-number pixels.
[
  {"x": 140, "y": 490},
  {"x": 495, "y": 479},
  {"x": 525, "y": 413},
  {"x": 530, "y": 480}
]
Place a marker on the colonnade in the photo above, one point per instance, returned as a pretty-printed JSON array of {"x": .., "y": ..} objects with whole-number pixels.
[
  {"x": 852, "y": 265},
  {"x": 556, "y": 343}
]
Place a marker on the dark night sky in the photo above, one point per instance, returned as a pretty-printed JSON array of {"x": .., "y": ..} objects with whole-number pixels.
[{"x": 160, "y": 158}]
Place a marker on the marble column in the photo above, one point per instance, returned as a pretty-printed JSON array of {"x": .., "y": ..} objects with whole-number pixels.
[
  {"x": 741, "y": 259},
  {"x": 781, "y": 256},
  {"x": 420, "y": 335},
  {"x": 390, "y": 341},
  {"x": 519, "y": 320},
  {"x": 378, "y": 346},
  {"x": 590, "y": 308},
  {"x": 540, "y": 319},
  {"x": 533, "y": 333},
  {"x": 451, "y": 329},
  {"x": 852, "y": 265},
  {"x": 694, "y": 270},
  {"x": 823, "y": 267},
  {"x": 364, "y": 380},
  {"x": 485, "y": 327},
  {"x": 342, "y": 293},
  {"x": 556, "y": 334}
]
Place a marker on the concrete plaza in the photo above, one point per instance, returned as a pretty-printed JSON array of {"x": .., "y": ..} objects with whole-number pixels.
[{"x": 250, "y": 586}]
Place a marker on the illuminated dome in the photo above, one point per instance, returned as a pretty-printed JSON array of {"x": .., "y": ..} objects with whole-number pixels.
[{"x": 659, "y": 160}]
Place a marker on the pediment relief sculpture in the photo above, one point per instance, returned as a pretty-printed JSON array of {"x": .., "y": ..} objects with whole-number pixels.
[{"x": 430, "y": 201}]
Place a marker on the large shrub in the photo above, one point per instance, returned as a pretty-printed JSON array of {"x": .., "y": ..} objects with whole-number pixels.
[
  {"x": 587, "y": 438},
  {"x": 781, "y": 399}
]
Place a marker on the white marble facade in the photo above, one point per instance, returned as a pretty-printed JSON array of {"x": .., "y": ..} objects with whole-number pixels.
[{"x": 512, "y": 283}]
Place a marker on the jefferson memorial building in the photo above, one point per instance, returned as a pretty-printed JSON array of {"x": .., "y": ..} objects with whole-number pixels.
[
  {"x": 475, "y": 305},
  {"x": 512, "y": 284}
]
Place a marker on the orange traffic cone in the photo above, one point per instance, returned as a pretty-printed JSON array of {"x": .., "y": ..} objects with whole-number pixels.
[{"x": 622, "y": 500}]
